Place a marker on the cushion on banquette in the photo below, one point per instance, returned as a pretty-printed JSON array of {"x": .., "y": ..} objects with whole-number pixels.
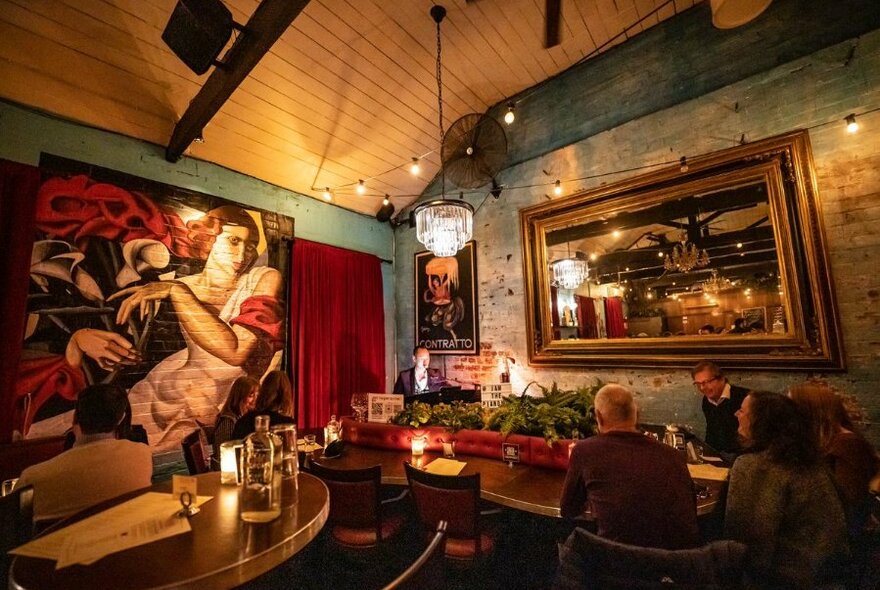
[{"x": 533, "y": 450}]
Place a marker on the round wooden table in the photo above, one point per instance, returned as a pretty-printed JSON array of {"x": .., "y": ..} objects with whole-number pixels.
[
  {"x": 221, "y": 551},
  {"x": 524, "y": 487}
]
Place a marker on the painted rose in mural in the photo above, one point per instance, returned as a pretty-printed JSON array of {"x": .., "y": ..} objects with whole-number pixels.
[{"x": 122, "y": 276}]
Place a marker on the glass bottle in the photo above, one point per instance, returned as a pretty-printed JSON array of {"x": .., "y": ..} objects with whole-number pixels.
[
  {"x": 257, "y": 501},
  {"x": 331, "y": 431}
]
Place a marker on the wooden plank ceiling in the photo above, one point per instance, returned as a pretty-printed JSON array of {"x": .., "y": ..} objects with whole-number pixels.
[{"x": 347, "y": 93}]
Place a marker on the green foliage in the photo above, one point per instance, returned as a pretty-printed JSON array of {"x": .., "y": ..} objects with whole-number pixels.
[{"x": 556, "y": 414}]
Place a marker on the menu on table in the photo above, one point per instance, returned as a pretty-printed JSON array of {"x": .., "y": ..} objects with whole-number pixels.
[
  {"x": 441, "y": 466},
  {"x": 706, "y": 471}
]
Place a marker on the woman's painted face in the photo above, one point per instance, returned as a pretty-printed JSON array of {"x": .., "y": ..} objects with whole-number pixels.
[
  {"x": 744, "y": 415},
  {"x": 233, "y": 251}
]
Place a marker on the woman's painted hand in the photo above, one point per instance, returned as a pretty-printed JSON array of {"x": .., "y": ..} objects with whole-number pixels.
[{"x": 108, "y": 349}]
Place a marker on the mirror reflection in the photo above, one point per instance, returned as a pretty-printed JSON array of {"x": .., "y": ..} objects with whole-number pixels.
[{"x": 697, "y": 265}]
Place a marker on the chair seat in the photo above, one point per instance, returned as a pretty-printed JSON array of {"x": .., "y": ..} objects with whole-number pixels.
[
  {"x": 366, "y": 537},
  {"x": 464, "y": 548}
]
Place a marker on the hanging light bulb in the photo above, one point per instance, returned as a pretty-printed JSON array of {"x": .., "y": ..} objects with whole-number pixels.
[
  {"x": 385, "y": 201},
  {"x": 361, "y": 187},
  {"x": 683, "y": 164},
  {"x": 557, "y": 188},
  {"x": 509, "y": 116},
  {"x": 443, "y": 226},
  {"x": 328, "y": 196},
  {"x": 414, "y": 168},
  {"x": 851, "y": 124}
]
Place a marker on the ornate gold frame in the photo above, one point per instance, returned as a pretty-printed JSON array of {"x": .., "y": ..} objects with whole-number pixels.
[{"x": 785, "y": 163}]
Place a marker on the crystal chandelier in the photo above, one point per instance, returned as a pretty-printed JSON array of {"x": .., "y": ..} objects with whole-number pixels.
[
  {"x": 685, "y": 256},
  {"x": 569, "y": 272},
  {"x": 444, "y": 227},
  {"x": 715, "y": 284}
]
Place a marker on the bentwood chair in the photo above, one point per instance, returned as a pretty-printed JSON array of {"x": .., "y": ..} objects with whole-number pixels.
[
  {"x": 455, "y": 499},
  {"x": 427, "y": 571},
  {"x": 195, "y": 451},
  {"x": 358, "y": 518}
]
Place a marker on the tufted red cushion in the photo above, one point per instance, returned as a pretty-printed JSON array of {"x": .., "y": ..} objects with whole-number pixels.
[
  {"x": 366, "y": 537},
  {"x": 555, "y": 457}
]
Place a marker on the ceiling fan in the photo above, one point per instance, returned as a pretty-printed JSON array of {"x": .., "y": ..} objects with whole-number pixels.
[{"x": 553, "y": 12}]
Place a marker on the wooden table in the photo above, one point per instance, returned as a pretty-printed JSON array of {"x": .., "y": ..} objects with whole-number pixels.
[
  {"x": 523, "y": 487},
  {"x": 221, "y": 551}
]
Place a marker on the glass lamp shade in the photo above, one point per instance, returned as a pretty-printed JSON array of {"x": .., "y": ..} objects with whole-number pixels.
[
  {"x": 569, "y": 273},
  {"x": 444, "y": 227}
]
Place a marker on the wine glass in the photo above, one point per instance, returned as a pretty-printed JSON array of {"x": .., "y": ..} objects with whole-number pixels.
[{"x": 359, "y": 403}]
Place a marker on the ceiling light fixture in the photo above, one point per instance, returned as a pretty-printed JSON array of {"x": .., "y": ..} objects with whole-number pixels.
[
  {"x": 557, "y": 188},
  {"x": 509, "y": 116},
  {"x": 715, "y": 284},
  {"x": 851, "y": 124},
  {"x": 443, "y": 226},
  {"x": 361, "y": 187},
  {"x": 328, "y": 196},
  {"x": 685, "y": 256},
  {"x": 569, "y": 272},
  {"x": 414, "y": 168}
]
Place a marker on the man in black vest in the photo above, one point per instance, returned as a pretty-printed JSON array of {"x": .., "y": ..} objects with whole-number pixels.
[{"x": 721, "y": 401}]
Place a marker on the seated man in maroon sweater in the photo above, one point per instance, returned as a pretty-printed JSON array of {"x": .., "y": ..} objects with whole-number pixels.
[{"x": 638, "y": 490}]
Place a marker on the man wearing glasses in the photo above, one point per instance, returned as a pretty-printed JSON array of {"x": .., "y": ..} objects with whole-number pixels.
[{"x": 721, "y": 401}]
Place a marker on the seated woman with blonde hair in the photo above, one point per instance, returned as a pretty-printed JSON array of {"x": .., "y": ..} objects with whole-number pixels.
[
  {"x": 850, "y": 458},
  {"x": 241, "y": 400},
  {"x": 274, "y": 400}
]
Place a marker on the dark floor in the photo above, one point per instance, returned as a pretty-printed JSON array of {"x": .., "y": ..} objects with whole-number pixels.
[{"x": 524, "y": 559}]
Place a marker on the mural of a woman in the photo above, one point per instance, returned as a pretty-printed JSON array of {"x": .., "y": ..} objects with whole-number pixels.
[{"x": 230, "y": 318}]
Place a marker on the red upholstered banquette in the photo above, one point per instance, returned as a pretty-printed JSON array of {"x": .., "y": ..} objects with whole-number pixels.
[{"x": 533, "y": 450}]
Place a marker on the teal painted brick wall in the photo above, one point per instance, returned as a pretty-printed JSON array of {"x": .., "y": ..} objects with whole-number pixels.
[{"x": 813, "y": 90}]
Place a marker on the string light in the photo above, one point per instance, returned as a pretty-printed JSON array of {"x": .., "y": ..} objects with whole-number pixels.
[
  {"x": 557, "y": 189},
  {"x": 509, "y": 116},
  {"x": 683, "y": 164},
  {"x": 414, "y": 168},
  {"x": 361, "y": 187},
  {"x": 386, "y": 200},
  {"x": 328, "y": 196},
  {"x": 851, "y": 124}
]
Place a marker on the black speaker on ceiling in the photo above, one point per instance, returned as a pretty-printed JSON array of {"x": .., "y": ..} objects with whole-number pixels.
[
  {"x": 197, "y": 32},
  {"x": 385, "y": 212}
]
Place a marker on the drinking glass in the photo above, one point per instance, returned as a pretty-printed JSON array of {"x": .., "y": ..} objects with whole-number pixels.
[
  {"x": 287, "y": 434},
  {"x": 359, "y": 403}
]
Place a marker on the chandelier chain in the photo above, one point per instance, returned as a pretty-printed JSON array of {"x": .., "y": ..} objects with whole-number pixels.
[{"x": 440, "y": 108}]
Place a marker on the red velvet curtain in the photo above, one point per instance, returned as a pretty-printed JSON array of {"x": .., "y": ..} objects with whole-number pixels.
[
  {"x": 19, "y": 184},
  {"x": 337, "y": 331}
]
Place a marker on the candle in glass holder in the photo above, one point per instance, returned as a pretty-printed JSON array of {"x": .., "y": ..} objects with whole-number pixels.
[
  {"x": 229, "y": 462},
  {"x": 418, "y": 445}
]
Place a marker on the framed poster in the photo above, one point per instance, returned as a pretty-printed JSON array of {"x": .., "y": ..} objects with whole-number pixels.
[
  {"x": 446, "y": 302},
  {"x": 756, "y": 318}
]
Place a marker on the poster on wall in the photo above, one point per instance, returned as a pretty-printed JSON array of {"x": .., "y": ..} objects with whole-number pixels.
[
  {"x": 446, "y": 302},
  {"x": 169, "y": 293}
]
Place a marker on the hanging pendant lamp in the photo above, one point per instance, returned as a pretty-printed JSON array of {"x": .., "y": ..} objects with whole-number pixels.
[{"x": 443, "y": 226}]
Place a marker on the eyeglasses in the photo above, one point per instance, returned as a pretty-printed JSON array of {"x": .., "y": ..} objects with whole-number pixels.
[{"x": 701, "y": 384}]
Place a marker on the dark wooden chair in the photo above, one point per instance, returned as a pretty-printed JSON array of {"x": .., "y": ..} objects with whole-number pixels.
[
  {"x": 195, "y": 452},
  {"x": 427, "y": 572},
  {"x": 455, "y": 499},
  {"x": 358, "y": 517},
  {"x": 16, "y": 523}
]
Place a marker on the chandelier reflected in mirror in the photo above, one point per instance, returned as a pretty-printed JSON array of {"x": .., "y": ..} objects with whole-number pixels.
[
  {"x": 443, "y": 226},
  {"x": 685, "y": 256},
  {"x": 715, "y": 284},
  {"x": 569, "y": 272}
]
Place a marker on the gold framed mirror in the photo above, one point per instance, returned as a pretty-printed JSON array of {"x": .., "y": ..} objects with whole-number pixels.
[{"x": 722, "y": 257}]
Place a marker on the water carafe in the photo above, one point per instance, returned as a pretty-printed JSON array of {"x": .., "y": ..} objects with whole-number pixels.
[{"x": 259, "y": 499}]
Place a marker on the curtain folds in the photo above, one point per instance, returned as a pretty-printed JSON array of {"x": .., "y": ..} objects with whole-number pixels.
[
  {"x": 337, "y": 331},
  {"x": 19, "y": 184}
]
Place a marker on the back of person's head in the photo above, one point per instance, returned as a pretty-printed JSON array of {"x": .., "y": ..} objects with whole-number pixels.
[
  {"x": 823, "y": 407},
  {"x": 777, "y": 425},
  {"x": 239, "y": 391},
  {"x": 100, "y": 408},
  {"x": 275, "y": 394},
  {"x": 615, "y": 403},
  {"x": 707, "y": 366}
]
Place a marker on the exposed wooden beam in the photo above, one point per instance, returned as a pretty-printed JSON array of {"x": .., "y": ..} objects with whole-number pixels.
[{"x": 266, "y": 25}]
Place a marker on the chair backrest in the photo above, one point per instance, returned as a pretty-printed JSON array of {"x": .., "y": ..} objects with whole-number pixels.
[
  {"x": 16, "y": 523},
  {"x": 195, "y": 451},
  {"x": 355, "y": 499},
  {"x": 455, "y": 499},
  {"x": 428, "y": 570},
  {"x": 590, "y": 562}
]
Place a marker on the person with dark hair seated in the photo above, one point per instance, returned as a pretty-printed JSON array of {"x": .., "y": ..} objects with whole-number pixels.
[
  {"x": 781, "y": 501},
  {"x": 639, "y": 490},
  {"x": 100, "y": 466},
  {"x": 420, "y": 378},
  {"x": 274, "y": 400},
  {"x": 241, "y": 400}
]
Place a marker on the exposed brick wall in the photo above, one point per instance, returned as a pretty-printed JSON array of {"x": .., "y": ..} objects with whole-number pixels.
[{"x": 820, "y": 88}]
